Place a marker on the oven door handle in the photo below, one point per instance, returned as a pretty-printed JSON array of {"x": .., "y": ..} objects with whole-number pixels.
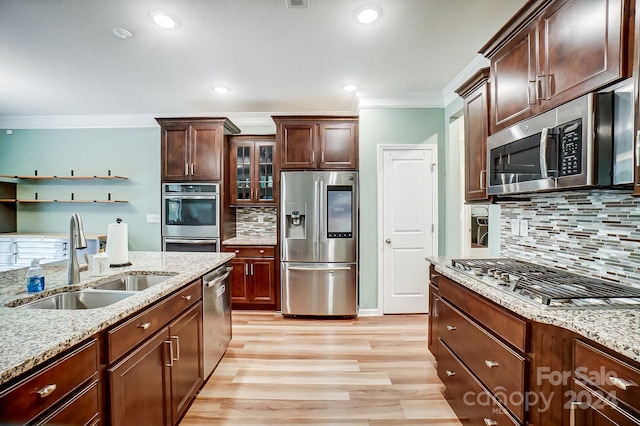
[
  {"x": 544, "y": 167},
  {"x": 172, "y": 240}
]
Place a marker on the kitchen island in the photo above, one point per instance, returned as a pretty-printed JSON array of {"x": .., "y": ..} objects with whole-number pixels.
[
  {"x": 33, "y": 337},
  {"x": 505, "y": 359}
]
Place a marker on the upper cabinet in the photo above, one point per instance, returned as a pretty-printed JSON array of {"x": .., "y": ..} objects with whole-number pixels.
[
  {"x": 476, "y": 128},
  {"x": 317, "y": 142},
  {"x": 555, "y": 51},
  {"x": 253, "y": 171},
  {"x": 192, "y": 148}
]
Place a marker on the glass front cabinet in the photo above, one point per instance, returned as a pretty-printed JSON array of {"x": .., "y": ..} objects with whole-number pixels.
[{"x": 253, "y": 170}]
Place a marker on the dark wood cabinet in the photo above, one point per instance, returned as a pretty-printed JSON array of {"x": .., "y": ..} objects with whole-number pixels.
[
  {"x": 476, "y": 130},
  {"x": 434, "y": 316},
  {"x": 547, "y": 55},
  {"x": 253, "y": 177},
  {"x": 192, "y": 148},
  {"x": 253, "y": 278},
  {"x": 317, "y": 142}
]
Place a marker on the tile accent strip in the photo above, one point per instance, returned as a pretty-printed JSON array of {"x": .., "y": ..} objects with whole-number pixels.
[
  {"x": 595, "y": 232},
  {"x": 248, "y": 225}
]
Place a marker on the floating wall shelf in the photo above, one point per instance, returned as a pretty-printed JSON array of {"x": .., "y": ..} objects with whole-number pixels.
[{"x": 64, "y": 177}]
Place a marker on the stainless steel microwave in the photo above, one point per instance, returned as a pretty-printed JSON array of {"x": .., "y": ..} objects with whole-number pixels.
[{"x": 587, "y": 142}]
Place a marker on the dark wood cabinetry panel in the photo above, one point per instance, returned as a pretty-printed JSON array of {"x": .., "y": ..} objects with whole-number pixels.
[
  {"x": 83, "y": 409},
  {"x": 553, "y": 51},
  {"x": 254, "y": 166},
  {"x": 434, "y": 317},
  {"x": 317, "y": 142},
  {"x": 253, "y": 278},
  {"x": 192, "y": 149},
  {"x": 476, "y": 131}
]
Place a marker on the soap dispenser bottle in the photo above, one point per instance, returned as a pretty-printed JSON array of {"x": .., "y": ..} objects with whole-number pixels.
[{"x": 35, "y": 277}]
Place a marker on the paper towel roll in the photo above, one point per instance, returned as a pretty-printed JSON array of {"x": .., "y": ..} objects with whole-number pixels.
[{"x": 118, "y": 244}]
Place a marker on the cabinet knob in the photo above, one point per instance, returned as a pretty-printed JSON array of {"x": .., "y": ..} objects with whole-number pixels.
[
  {"x": 450, "y": 373},
  {"x": 490, "y": 422},
  {"x": 621, "y": 383},
  {"x": 491, "y": 364},
  {"x": 237, "y": 251},
  {"x": 144, "y": 325},
  {"x": 261, "y": 251},
  {"x": 451, "y": 328},
  {"x": 187, "y": 297},
  {"x": 47, "y": 390}
]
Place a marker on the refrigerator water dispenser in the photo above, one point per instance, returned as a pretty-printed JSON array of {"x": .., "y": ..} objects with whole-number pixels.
[{"x": 295, "y": 227}]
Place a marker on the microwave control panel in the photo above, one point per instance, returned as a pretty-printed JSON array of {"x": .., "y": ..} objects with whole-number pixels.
[{"x": 571, "y": 148}]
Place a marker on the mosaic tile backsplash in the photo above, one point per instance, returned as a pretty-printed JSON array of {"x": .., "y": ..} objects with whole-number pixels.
[
  {"x": 595, "y": 232},
  {"x": 248, "y": 221}
]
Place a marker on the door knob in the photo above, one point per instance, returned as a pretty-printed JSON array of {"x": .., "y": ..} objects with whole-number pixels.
[{"x": 388, "y": 241}]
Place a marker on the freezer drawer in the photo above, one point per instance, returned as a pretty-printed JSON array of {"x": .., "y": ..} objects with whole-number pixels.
[{"x": 319, "y": 289}]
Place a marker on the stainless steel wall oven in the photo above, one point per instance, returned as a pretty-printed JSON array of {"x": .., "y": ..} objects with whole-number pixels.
[{"x": 190, "y": 216}]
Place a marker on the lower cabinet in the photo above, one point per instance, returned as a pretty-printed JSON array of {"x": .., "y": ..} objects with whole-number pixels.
[
  {"x": 156, "y": 382},
  {"x": 253, "y": 278}
]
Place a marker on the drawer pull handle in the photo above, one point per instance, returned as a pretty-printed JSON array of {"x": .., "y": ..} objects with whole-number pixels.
[
  {"x": 187, "y": 297},
  {"x": 171, "y": 358},
  {"x": 450, "y": 373},
  {"x": 621, "y": 383},
  {"x": 177, "y": 351},
  {"x": 261, "y": 251},
  {"x": 47, "y": 390},
  {"x": 144, "y": 325},
  {"x": 451, "y": 328},
  {"x": 490, "y": 422},
  {"x": 491, "y": 364},
  {"x": 237, "y": 251}
]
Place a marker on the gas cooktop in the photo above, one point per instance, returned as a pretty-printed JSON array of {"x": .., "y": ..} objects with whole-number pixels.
[{"x": 550, "y": 287}]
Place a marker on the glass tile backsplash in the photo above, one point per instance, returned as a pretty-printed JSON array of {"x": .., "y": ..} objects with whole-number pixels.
[
  {"x": 589, "y": 232},
  {"x": 256, "y": 221}
]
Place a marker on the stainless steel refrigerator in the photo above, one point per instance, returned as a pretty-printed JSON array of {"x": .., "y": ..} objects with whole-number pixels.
[{"x": 319, "y": 243}]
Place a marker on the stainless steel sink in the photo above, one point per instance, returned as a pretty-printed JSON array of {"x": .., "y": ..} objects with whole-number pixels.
[
  {"x": 83, "y": 299},
  {"x": 133, "y": 282}
]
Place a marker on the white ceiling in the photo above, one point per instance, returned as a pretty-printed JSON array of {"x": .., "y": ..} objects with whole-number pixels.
[{"x": 61, "y": 58}]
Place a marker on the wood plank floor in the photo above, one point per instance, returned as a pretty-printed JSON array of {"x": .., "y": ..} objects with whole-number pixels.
[{"x": 365, "y": 371}]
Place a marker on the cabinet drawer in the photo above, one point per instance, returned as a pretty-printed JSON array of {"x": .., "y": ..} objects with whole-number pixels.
[
  {"x": 41, "y": 390},
  {"x": 127, "y": 335},
  {"x": 251, "y": 251},
  {"x": 498, "y": 367},
  {"x": 83, "y": 409},
  {"x": 620, "y": 379},
  {"x": 466, "y": 393},
  {"x": 506, "y": 325}
]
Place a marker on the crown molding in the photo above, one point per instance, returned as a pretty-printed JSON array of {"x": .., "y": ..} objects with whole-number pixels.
[
  {"x": 448, "y": 93},
  {"x": 401, "y": 99}
]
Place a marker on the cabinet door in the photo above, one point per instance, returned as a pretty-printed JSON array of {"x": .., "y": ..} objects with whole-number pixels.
[
  {"x": 513, "y": 80},
  {"x": 241, "y": 178},
  {"x": 206, "y": 152},
  {"x": 264, "y": 172},
  {"x": 187, "y": 372},
  {"x": 475, "y": 144},
  {"x": 434, "y": 315},
  {"x": 239, "y": 281},
  {"x": 580, "y": 48},
  {"x": 297, "y": 147},
  {"x": 337, "y": 146},
  {"x": 175, "y": 153},
  {"x": 262, "y": 280},
  {"x": 140, "y": 385}
]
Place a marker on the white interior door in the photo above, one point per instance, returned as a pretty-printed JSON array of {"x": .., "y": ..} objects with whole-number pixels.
[{"x": 407, "y": 196}]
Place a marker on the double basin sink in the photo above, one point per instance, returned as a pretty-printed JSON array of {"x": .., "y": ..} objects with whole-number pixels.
[{"x": 99, "y": 296}]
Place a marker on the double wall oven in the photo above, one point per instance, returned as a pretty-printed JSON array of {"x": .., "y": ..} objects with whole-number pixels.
[{"x": 191, "y": 217}]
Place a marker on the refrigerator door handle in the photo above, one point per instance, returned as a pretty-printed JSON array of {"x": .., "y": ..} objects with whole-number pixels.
[{"x": 305, "y": 268}]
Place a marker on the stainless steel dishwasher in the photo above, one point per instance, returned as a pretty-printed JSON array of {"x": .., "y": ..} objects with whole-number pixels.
[{"x": 216, "y": 310}]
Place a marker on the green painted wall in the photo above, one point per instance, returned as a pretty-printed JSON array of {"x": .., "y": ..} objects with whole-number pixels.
[
  {"x": 133, "y": 153},
  {"x": 385, "y": 127}
]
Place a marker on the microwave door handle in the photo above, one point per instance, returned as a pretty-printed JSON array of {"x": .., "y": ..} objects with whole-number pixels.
[{"x": 543, "y": 153}]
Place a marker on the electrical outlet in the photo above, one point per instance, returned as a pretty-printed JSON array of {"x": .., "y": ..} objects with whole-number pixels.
[
  {"x": 515, "y": 227},
  {"x": 153, "y": 218},
  {"x": 524, "y": 228}
]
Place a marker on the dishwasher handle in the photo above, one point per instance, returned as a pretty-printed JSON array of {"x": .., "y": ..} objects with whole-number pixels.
[{"x": 219, "y": 278}]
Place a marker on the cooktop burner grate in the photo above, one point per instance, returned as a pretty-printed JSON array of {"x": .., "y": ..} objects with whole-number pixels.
[{"x": 547, "y": 284}]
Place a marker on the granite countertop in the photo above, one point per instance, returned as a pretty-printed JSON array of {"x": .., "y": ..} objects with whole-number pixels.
[
  {"x": 617, "y": 329},
  {"x": 251, "y": 241},
  {"x": 29, "y": 337}
]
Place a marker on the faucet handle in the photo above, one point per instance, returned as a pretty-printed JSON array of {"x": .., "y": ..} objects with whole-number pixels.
[{"x": 85, "y": 266}]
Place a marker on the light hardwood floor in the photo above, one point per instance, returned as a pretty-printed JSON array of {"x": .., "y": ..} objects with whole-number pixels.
[{"x": 365, "y": 371}]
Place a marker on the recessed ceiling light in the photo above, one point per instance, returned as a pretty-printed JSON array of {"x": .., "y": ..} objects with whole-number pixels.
[
  {"x": 122, "y": 33},
  {"x": 163, "y": 20},
  {"x": 350, "y": 87},
  {"x": 221, "y": 90},
  {"x": 367, "y": 14}
]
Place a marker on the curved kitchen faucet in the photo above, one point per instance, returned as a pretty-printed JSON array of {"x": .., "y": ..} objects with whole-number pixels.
[{"x": 77, "y": 240}]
